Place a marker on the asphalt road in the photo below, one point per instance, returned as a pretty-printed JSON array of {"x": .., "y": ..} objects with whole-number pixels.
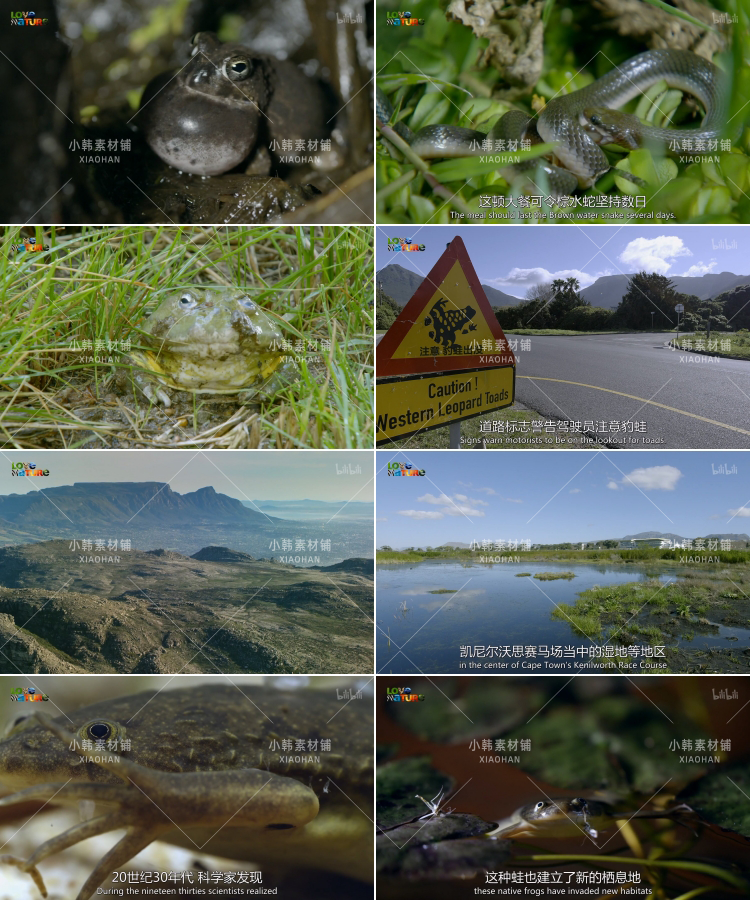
[{"x": 696, "y": 388}]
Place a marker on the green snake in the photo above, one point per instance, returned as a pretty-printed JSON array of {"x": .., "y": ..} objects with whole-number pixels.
[{"x": 578, "y": 122}]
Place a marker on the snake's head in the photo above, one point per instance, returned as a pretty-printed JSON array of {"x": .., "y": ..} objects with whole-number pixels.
[{"x": 610, "y": 126}]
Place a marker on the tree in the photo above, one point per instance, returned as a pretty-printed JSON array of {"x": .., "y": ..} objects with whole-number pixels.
[
  {"x": 566, "y": 297},
  {"x": 647, "y": 293},
  {"x": 535, "y": 312},
  {"x": 386, "y": 310},
  {"x": 610, "y": 544},
  {"x": 735, "y": 306}
]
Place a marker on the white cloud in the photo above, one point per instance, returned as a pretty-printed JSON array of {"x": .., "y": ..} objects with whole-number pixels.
[
  {"x": 420, "y": 513},
  {"x": 575, "y": 491},
  {"x": 612, "y": 485},
  {"x": 524, "y": 278},
  {"x": 468, "y": 484},
  {"x": 653, "y": 254},
  {"x": 743, "y": 512},
  {"x": 512, "y": 500},
  {"x": 698, "y": 269},
  {"x": 436, "y": 501},
  {"x": 489, "y": 491},
  {"x": 654, "y": 478},
  {"x": 457, "y": 505}
]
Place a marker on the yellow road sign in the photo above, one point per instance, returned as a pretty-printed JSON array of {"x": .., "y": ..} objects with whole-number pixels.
[
  {"x": 448, "y": 325},
  {"x": 406, "y": 406}
]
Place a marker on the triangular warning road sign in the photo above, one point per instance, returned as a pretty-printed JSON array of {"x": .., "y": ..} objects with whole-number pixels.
[{"x": 447, "y": 325}]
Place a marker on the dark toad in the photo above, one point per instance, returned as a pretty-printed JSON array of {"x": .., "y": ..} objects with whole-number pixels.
[{"x": 228, "y": 103}]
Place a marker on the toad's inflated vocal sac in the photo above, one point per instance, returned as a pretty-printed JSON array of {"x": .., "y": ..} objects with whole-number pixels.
[
  {"x": 201, "y": 758},
  {"x": 227, "y": 102}
]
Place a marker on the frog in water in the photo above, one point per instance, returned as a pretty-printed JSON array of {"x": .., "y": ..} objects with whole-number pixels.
[
  {"x": 569, "y": 817},
  {"x": 228, "y": 102},
  {"x": 209, "y": 341},
  {"x": 201, "y": 757}
]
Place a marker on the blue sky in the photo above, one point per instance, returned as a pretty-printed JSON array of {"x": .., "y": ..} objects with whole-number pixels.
[
  {"x": 243, "y": 474},
  {"x": 553, "y": 496},
  {"x": 513, "y": 258}
]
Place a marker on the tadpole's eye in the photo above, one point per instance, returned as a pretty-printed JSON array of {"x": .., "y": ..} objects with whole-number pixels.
[
  {"x": 236, "y": 68},
  {"x": 187, "y": 301},
  {"x": 278, "y": 827},
  {"x": 539, "y": 805}
]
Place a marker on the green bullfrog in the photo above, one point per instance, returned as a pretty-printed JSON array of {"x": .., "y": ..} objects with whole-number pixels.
[
  {"x": 227, "y": 103},
  {"x": 209, "y": 341},
  {"x": 204, "y": 758}
]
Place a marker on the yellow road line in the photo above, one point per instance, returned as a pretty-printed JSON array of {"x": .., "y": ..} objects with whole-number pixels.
[{"x": 682, "y": 412}]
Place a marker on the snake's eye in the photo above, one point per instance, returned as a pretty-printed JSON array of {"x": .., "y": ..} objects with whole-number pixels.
[
  {"x": 237, "y": 68},
  {"x": 539, "y": 806},
  {"x": 596, "y": 119},
  {"x": 187, "y": 301}
]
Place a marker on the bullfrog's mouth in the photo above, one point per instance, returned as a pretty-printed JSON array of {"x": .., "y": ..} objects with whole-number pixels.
[{"x": 213, "y": 375}]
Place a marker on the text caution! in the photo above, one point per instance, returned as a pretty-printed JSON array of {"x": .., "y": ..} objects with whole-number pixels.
[{"x": 406, "y": 406}]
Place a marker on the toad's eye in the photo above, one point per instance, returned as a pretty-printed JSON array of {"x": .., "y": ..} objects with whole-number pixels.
[
  {"x": 187, "y": 301},
  {"x": 100, "y": 730},
  {"x": 539, "y": 806},
  {"x": 236, "y": 68}
]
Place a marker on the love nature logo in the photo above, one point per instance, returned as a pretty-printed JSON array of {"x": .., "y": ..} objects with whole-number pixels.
[{"x": 402, "y": 695}]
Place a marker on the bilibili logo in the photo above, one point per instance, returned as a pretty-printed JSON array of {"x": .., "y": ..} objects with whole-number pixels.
[
  {"x": 23, "y": 468},
  {"x": 402, "y": 695}
]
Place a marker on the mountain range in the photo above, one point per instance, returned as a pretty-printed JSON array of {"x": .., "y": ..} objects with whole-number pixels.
[
  {"x": 646, "y": 535},
  {"x": 607, "y": 291},
  {"x": 309, "y": 510},
  {"x": 151, "y": 515},
  {"x": 118, "y": 502},
  {"x": 400, "y": 284},
  {"x": 73, "y": 611}
]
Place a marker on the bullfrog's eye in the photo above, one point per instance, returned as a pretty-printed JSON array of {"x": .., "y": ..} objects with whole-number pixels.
[
  {"x": 236, "y": 68},
  {"x": 247, "y": 303},
  {"x": 539, "y": 806},
  {"x": 187, "y": 301},
  {"x": 101, "y": 730}
]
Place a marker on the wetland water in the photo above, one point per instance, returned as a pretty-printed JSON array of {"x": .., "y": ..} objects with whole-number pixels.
[{"x": 494, "y": 607}]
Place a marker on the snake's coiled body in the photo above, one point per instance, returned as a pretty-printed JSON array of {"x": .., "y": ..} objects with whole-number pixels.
[{"x": 578, "y": 122}]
